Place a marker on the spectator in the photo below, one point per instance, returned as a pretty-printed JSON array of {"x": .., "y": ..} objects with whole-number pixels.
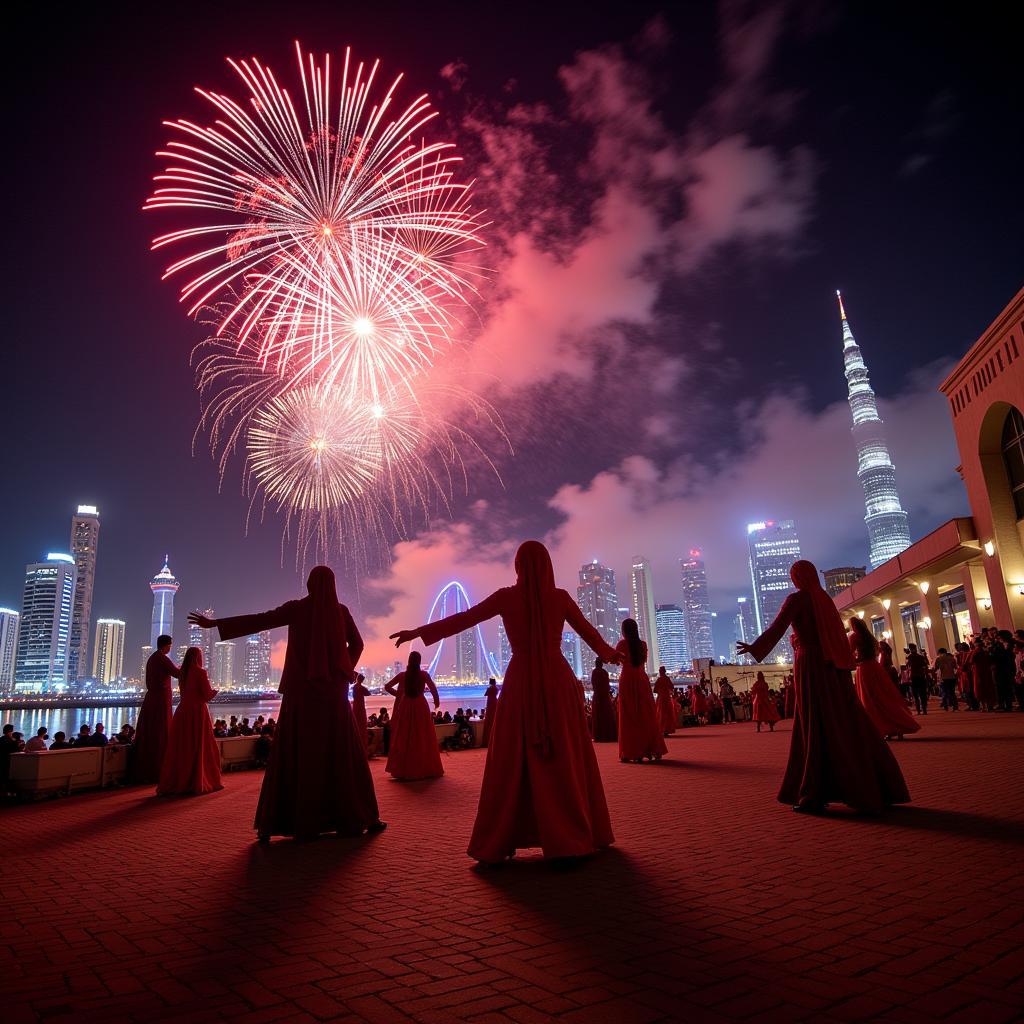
[
  {"x": 126, "y": 737},
  {"x": 60, "y": 742},
  {"x": 8, "y": 746},
  {"x": 38, "y": 742},
  {"x": 728, "y": 695},
  {"x": 99, "y": 737},
  {"x": 263, "y": 744},
  {"x": 917, "y": 668},
  {"x": 384, "y": 721},
  {"x": 233, "y": 726},
  {"x": 945, "y": 669},
  {"x": 84, "y": 737},
  {"x": 220, "y": 728},
  {"x": 1004, "y": 668},
  {"x": 245, "y": 729}
]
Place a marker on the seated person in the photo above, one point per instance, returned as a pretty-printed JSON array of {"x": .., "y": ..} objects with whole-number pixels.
[
  {"x": 60, "y": 742},
  {"x": 245, "y": 729},
  {"x": 263, "y": 744},
  {"x": 38, "y": 742},
  {"x": 220, "y": 728},
  {"x": 84, "y": 737},
  {"x": 125, "y": 737},
  {"x": 447, "y": 719},
  {"x": 99, "y": 737},
  {"x": 233, "y": 726},
  {"x": 272, "y": 725}
]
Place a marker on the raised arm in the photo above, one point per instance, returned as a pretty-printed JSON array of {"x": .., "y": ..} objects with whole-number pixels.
[
  {"x": 457, "y": 623},
  {"x": 244, "y": 625},
  {"x": 765, "y": 643},
  {"x": 587, "y": 633},
  {"x": 433, "y": 689}
]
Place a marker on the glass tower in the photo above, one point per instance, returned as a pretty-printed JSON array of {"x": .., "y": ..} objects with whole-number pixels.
[
  {"x": 85, "y": 538},
  {"x": 599, "y": 601},
  {"x": 888, "y": 530},
  {"x": 108, "y": 652},
  {"x": 164, "y": 587},
  {"x": 9, "y": 628},
  {"x": 696, "y": 607},
  {"x": 672, "y": 641},
  {"x": 773, "y": 548},
  {"x": 44, "y": 638},
  {"x": 641, "y": 588}
]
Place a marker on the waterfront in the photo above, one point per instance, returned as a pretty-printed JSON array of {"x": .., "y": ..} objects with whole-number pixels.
[{"x": 70, "y": 719}]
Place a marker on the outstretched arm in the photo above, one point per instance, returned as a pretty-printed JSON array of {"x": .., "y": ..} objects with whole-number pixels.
[
  {"x": 244, "y": 625},
  {"x": 764, "y": 644},
  {"x": 453, "y": 624},
  {"x": 587, "y": 633}
]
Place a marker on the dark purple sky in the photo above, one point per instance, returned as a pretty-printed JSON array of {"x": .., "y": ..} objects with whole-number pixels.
[{"x": 875, "y": 147}]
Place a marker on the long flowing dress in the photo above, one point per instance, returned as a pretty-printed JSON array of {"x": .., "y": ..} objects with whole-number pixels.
[
  {"x": 489, "y": 713},
  {"x": 640, "y": 732},
  {"x": 762, "y": 705},
  {"x": 881, "y": 698},
  {"x": 668, "y": 712},
  {"x": 547, "y": 795},
  {"x": 698, "y": 701},
  {"x": 414, "y": 753},
  {"x": 836, "y": 754},
  {"x": 602, "y": 711},
  {"x": 192, "y": 761},
  {"x": 154, "y": 724},
  {"x": 318, "y": 779},
  {"x": 790, "y": 702},
  {"x": 359, "y": 695},
  {"x": 982, "y": 677}
]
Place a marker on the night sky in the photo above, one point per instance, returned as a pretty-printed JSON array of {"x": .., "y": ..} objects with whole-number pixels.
[{"x": 873, "y": 147}]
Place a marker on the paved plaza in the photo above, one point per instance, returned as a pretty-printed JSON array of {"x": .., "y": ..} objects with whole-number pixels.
[{"x": 716, "y": 904}]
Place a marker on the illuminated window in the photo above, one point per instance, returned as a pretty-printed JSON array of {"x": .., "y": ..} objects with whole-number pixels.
[{"x": 1013, "y": 458}]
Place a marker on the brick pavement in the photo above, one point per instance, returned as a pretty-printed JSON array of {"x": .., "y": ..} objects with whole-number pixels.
[{"x": 716, "y": 904}]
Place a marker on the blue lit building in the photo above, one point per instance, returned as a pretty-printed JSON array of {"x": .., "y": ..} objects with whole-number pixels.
[
  {"x": 44, "y": 637},
  {"x": 164, "y": 587}
]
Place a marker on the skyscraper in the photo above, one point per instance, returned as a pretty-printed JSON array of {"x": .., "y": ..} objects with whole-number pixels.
[
  {"x": 671, "y": 629},
  {"x": 887, "y": 525},
  {"x": 504, "y": 648},
  {"x": 599, "y": 601},
  {"x": 838, "y": 579},
  {"x": 9, "y": 623},
  {"x": 696, "y": 607},
  {"x": 203, "y": 638},
  {"x": 224, "y": 663},
  {"x": 571, "y": 652},
  {"x": 641, "y": 590},
  {"x": 44, "y": 638},
  {"x": 164, "y": 587},
  {"x": 108, "y": 652},
  {"x": 467, "y": 657},
  {"x": 85, "y": 538},
  {"x": 746, "y": 624},
  {"x": 773, "y": 548},
  {"x": 256, "y": 674},
  {"x": 147, "y": 650}
]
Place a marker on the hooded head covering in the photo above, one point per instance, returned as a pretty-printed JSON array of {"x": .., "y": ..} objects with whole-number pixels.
[
  {"x": 328, "y": 655},
  {"x": 831, "y": 633},
  {"x": 535, "y": 579}
]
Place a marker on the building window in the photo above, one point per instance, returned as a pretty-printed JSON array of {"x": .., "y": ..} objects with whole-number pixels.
[{"x": 1013, "y": 458}]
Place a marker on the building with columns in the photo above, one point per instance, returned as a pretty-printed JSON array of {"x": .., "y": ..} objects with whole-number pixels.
[{"x": 969, "y": 572}]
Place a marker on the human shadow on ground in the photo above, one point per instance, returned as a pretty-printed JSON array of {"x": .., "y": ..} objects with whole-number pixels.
[{"x": 960, "y": 823}]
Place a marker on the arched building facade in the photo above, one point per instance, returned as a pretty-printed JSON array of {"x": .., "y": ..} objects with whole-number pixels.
[{"x": 969, "y": 572}]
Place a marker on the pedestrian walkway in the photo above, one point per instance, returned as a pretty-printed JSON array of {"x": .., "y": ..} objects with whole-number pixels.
[{"x": 716, "y": 904}]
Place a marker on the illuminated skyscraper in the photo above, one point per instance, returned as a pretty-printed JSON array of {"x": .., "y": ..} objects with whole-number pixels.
[
  {"x": 641, "y": 590},
  {"x": 773, "y": 548},
  {"x": 9, "y": 623},
  {"x": 504, "y": 648},
  {"x": 599, "y": 601},
  {"x": 164, "y": 587},
  {"x": 887, "y": 525},
  {"x": 108, "y": 652},
  {"x": 44, "y": 638},
  {"x": 257, "y": 660},
  {"x": 224, "y": 663},
  {"x": 147, "y": 650},
  {"x": 203, "y": 638},
  {"x": 672, "y": 642},
  {"x": 696, "y": 607},
  {"x": 746, "y": 624},
  {"x": 572, "y": 653},
  {"x": 467, "y": 657},
  {"x": 85, "y": 538},
  {"x": 838, "y": 579}
]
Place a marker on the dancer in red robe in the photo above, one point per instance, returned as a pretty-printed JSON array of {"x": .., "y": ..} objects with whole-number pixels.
[
  {"x": 359, "y": 695},
  {"x": 698, "y": 702},
  {"x": 836, "y": 753},
  {"x": 886, "y": 661},
  {"x": 154, "y": 724},
  {"x": 602, "y": 711},
  {"x": 541, "y": 784},
  {"x": 414, "y": 753},
  {"x": 490, "y": 711},
  {"x": 882, "y": 700},
  {"x": 983, "y": 680},
  {"x": 789, "y": 704},
  {"x": 640, "y": 731},
  {"x": 317, "y": 779},
  {"x": 762, "y": 705},
  {"x": 192, "y": 761},
  {"x": 668, "y": 712}
]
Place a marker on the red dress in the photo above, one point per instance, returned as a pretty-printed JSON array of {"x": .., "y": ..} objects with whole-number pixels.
[
  {"x": 763, "y": 707},
  {"x": 790, "y": 701},
  {"x": 836, "y": 754},
  {"x": 640, "y": 732},
  {"x": 414, "y": 753},
  {"x": 698, "y": 701},
  {"x": 983, "y": 680},
  {"x": 550, "y": 794},
  {"x": 666, "y": 704},
  {"x": 881, "y": 698},
  {"x": 154, "y": 724},
  {"x": 192, "y": 761},
  {"x": 489, "y": 713},
  {"x": 317, "y": 779},
  {"x": 359, "y": 695},
  {"x": 602, "y": 711}
]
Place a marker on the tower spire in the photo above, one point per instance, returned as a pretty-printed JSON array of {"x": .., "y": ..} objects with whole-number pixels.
[{"x": 886, "y": 521}]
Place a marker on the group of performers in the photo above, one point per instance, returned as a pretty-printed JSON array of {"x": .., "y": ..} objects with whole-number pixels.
[{"x": 541, "y": 784}]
